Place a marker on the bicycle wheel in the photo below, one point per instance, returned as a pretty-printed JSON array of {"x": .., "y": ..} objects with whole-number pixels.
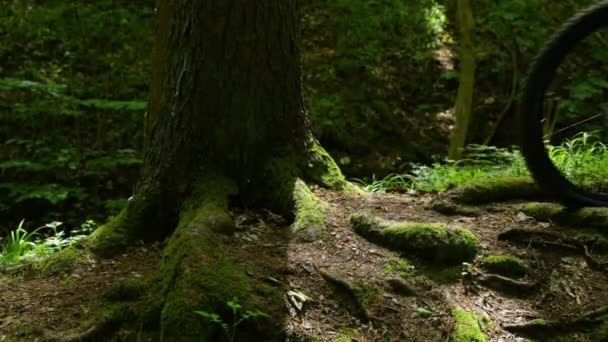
[{"x": 538, "y": 80}]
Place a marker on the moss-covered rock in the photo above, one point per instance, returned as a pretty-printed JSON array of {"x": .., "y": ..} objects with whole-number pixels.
[
  {"x": 496, "y": 190},
  {"x": 466, "y": 327},
  {"x": 435, "y": 243},
  {"x": 309, "y": 220},
  {"x": 505, "y": 265}
]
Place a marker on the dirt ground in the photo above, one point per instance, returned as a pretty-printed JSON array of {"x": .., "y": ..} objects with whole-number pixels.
[{"x": 565, "y": 284}]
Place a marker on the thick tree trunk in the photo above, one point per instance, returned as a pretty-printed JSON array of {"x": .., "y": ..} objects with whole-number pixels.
[
  {"x": 464, "y": 100},
  {"x": 225, "y": 124}
]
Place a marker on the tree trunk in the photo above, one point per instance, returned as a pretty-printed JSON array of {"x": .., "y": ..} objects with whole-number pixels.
[
  {"x": 225, "y": 126},
  {"x": 464, "y": 100}
]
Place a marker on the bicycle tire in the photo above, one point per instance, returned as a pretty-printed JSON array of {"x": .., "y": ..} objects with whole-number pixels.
[{"x": 539, "y": 77}]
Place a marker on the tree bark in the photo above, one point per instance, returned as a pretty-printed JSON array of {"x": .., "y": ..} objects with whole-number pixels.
[
  {"x": 464, "y": 100},
  {"x": 226, "y": 125}
]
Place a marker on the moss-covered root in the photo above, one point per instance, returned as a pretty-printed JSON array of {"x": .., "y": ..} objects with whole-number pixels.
[
  {"x": 354, "y": 298},
  {"x": 496, "y": 190},
  {"x": 506, "y": 265},
  {"x": 66, "y": 259},
  {"x": 323, "y": 170},
  {"x": 466, "y": 327},
  {"x": 435, "y": 243},
  {"x": 111, "y": 238},
  {"x": 587, "y": 217},
  {"x": 309, "y": 220},
  {"x": 105, "y": 325},
  {"x": 547, "y": 329},
  {"x": 447, "y": 207},
  {"x": 196, "y": 274}
]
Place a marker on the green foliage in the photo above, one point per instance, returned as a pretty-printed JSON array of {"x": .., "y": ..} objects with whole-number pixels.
[
  {"x": 480, "y": 162},
  {"x": 18, "y": 242},
  {"x": 30, "y": 247},
  {"x": 372, "y": 62},
  {"x": 71, "y": 76},
  {"x": 583, "y": 159},
  {"x": 238, "y": 317}
]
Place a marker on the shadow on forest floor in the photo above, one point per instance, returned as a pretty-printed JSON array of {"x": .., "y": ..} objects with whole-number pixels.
[{"x": 559, "y": 279}]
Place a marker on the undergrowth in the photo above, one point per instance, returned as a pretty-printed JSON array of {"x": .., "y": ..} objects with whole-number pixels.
[
  {"x": 30, "y": 247},
  {"x": 583, "y": 159},
  {"x": 478, "y": 162}
]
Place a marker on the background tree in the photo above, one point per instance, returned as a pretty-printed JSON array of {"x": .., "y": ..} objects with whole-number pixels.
[
  {"x": 226, "y": 125},
  {"x": 464, "y": 99}
]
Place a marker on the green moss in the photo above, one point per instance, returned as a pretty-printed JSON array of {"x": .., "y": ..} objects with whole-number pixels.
[
  {"x": 367, "y": 293},
  {"x": 397, "y": 266},
  {"x": 310, "y": 213},
  {"x": 496, "y": 190},
  {"x": 599, "y": 245},
  {"x": 592, "y": 217},
  {"x": 505, "y": 265},
  {"x": 322, "y": 169},
  {"x": 112, "y": 237},
  {"x": 126, "y": 289},
  {"x": 466, "y": 327},
  {"x": 601, "y": 333},
  {"x": 589, "y": 217},
  {"x": 443, "y": 275},
  {"x": 433, "y": 242},
  {"x": 282, "y": 173},
  {"x": 542, "y": 210},
  {"x": 450, "y": 208},
  {"x": 196, "y": 274},
  {"x": 64, "y": 260}
]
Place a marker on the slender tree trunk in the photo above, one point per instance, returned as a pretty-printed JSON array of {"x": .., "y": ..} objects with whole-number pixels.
[{"x": 464, "y": 100}]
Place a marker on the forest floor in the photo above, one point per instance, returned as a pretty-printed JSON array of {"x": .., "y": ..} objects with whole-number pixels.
[{"x": 561, "y": 284}]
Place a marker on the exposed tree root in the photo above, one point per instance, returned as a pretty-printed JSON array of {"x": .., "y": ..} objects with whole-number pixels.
[
  {"x": 347, "y": 295},
  {"x": 447, "y": 207},
  {"x": 106, "y": 325},
  {"x": 309, "y": 220},
  {"x": 434, "y": 243},
  {"x": 545, "y": 330},
  {"x": 401, "y": 287},
  {"x": 508, "y": 285},
  {"x": 593, "y": 263},
  {"x": 553, "y": 240},
  {"x": 496, "y": 190}
]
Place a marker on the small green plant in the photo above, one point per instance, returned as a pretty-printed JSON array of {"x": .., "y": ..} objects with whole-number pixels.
[
  {"x": 238, "y": 317},
  {"x": 21, "y": 245},
  {"x": 20, "y": 241}
]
